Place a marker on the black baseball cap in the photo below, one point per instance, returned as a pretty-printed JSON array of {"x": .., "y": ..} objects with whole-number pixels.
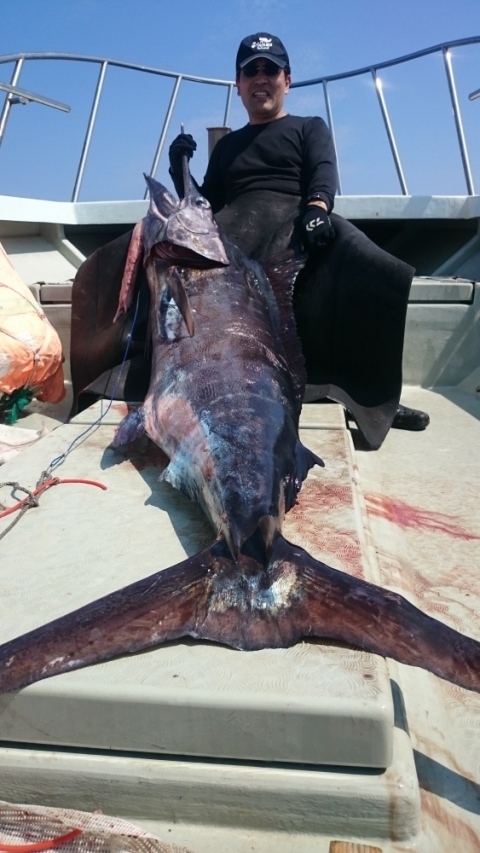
[{"x": 262, "y": 44}]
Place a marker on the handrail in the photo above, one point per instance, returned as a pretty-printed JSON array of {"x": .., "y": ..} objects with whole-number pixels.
[
  {"x": 386, "y": 120},
  {"x": 104, "y": 63},
  {"x": 391, "y": 62},
  {"x": 89, "y": 133},
  {"x": 447, "y": 58},
  {"x": 179, "y": 78},
  {"x": 445, "y": 49},
  {"x": 23, "y": 95},
  {"x": 115, "y": 63}
]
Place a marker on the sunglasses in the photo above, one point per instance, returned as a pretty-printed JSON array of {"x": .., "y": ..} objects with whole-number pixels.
[{"x": 268, "y": 68}]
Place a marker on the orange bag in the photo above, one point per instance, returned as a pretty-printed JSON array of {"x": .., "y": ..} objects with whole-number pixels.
[{"x": 30, "y": 349}]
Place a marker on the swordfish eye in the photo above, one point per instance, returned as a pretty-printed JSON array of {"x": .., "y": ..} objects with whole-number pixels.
[{"x": 200, "y": 201}]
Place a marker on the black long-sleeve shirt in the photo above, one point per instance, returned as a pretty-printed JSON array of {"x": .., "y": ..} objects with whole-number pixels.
[{"x": 291, "y": 155}]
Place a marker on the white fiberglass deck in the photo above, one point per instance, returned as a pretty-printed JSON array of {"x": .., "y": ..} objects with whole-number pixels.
[
  {"x": 413, "y": 525},
  {"x": 315, "y": 703}
]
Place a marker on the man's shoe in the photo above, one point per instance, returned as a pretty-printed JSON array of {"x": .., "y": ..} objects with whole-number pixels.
[{"x": 406, "y": 418}]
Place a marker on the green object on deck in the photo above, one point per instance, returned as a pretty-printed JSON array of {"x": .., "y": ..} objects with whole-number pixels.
[{"x": 12, "y": 404}]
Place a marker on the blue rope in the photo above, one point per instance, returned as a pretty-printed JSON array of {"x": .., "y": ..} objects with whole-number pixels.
[{"x": 59, "y": 460}]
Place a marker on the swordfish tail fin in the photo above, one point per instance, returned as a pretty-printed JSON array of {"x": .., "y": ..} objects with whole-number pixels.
[
  {"x": 247, "y": 606},
  {"x": 161, "y": 607}
]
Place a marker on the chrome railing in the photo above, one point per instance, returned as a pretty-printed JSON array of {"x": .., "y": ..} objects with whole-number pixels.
[
  {"x": 15, "y": 95},
  {"x": 19, "y": 61}
]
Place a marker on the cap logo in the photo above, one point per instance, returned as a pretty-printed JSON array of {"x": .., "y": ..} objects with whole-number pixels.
[{"x": 262, "y": 44}]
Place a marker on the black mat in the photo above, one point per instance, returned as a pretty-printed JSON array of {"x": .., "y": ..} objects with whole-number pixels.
[{"x": 350, "y": 306}]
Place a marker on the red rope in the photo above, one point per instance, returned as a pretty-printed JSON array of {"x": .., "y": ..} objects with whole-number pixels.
[
  {"x": 41, "y": 845},
  {"x": 53, "y": 482}
]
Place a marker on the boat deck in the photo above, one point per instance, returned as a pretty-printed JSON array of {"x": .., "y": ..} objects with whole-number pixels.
[{"x": 201, "y": 744}]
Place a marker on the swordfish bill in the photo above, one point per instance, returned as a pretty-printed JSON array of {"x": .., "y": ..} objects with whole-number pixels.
[{"x": 224, "y": 403}]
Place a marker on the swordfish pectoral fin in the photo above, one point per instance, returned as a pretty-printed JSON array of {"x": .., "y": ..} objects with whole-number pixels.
[
  {"x": 338, "y": 606},
  {"x": 177, "y": 293},
  {"x": 130, "y": 428},
  {"x": 180, "y": 297},
  {"x": 165, "y": 606}
]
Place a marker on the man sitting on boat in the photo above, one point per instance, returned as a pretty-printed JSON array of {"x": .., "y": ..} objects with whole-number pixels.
[{"x": 272, "y": 185}]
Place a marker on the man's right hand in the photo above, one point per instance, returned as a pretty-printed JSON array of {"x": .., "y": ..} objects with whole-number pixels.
[{"x": 182, "y": 146}]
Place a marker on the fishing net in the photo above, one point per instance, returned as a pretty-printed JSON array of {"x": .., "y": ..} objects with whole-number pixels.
[
  {"x": 15, "y": 439},
  {"x": 27, "y": 829}
]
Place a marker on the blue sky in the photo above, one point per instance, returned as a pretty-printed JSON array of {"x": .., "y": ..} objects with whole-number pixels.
[{"x": 41, "y": 148}]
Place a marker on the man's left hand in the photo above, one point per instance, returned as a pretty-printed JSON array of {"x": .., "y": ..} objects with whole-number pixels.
[{"x": 317, "y": 229}]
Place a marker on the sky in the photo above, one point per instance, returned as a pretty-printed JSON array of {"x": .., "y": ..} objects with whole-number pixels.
[{"x": 41, "y": 148}]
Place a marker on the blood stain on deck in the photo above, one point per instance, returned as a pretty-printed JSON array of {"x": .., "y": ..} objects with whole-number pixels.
[{"x": 406, "y": 515}]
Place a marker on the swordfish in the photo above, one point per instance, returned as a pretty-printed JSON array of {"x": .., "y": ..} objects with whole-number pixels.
[{"x": 224, "y": 403}]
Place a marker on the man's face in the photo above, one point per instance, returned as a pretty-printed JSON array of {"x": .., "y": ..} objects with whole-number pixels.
[{"x": 264, "y": 93}]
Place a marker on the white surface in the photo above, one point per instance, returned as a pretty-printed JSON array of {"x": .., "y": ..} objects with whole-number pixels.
[
  {"x": 421, "y": 495},
  {"x": 422, "y": 498},
  {"x": 36, "y": 259},
  {"x": 315, "y": 703},
  {"x": 431, "y": 289},
  {"x": 196, "y": 802},
  {"x": 442, "y": 342},
  {"x": 22, "y": 210}
]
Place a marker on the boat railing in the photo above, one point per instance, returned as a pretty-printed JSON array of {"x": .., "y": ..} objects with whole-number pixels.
[
  {"x": 445, "y": 50},
  {"x": 14, "y": 94}
]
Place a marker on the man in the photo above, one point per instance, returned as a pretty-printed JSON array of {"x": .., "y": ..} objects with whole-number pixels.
[{"x": 272, "y": 185}]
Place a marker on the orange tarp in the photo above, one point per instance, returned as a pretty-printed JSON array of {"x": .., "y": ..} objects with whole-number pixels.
[{"x": 30, "y": 348}]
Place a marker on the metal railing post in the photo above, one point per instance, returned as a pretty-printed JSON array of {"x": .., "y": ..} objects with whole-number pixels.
[
  {"x": 447, "y": 58},
  {"x": 8, "y": 101},
  {"x": 88, "y": 135},
  {"x": 226, "y": 117},
  {"x": 166, "y": 125},
  {"x": 388, "y": 127},
  {"x": 332, "y": 131}
]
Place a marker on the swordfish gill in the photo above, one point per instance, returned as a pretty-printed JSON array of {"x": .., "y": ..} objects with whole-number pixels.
[{"x": 224, "y": 404}]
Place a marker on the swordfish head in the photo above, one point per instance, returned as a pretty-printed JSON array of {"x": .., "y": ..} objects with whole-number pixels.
[{"x": 185, "y": 231}]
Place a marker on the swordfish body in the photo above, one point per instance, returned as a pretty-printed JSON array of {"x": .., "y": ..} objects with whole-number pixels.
[
  {"x": 224, "y": 404},
  {"x": 223, "y": 399}
]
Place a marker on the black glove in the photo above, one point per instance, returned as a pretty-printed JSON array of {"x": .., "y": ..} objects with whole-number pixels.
[
  {"x": 183, "y": 145},
  {"x": 317, "y": 230}
]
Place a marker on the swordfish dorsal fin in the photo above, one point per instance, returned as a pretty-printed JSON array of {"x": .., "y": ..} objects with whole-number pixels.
[
  {"x": 281, "y": 270},
  {"x": 162, "y": 206}
]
